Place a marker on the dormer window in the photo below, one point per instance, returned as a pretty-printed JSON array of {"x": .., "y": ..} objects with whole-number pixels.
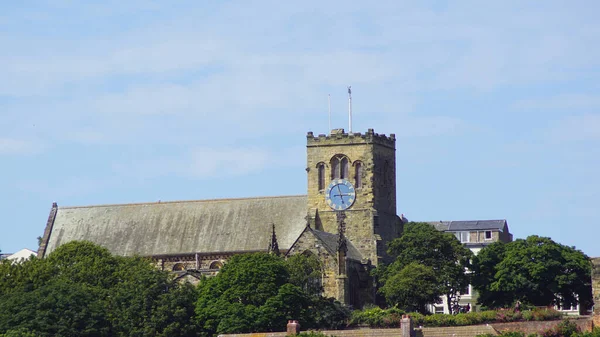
[{"x": 339, "y": 167}]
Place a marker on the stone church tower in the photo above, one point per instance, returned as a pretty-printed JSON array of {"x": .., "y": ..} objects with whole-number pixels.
[
  {"x": 368, "y": 162},
  {"x": 351, "y": 201}
]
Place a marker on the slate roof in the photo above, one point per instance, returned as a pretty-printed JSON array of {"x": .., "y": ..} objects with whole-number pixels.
[
  {"x": 210, "y": 226},
  {"x": 469, "y": 225},
  {"x": 330, "y": 241}
]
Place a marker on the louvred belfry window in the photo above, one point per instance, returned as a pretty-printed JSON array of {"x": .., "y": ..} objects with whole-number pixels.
[{"x": 339, "y": 167}]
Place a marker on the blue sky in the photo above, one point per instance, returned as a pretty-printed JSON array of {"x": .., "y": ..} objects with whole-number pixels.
[{"x": 495, "y": 105}]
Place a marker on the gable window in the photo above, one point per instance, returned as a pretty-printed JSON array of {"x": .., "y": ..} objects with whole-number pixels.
[
  {"x": 358, "y": 171},
  {"x": 488, "y": 235},
  {"x": 321, "y": 176},
  {"x": 339, "y": 167},
  {"x": 463, "y": 237}
]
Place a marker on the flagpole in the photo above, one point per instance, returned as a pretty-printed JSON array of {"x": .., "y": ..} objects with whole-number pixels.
[{"x": 349, "y": 109}]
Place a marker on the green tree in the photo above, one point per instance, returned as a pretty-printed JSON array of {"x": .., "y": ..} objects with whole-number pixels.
[
  {"x": 80, "y": 289},
  {"x": 306, "y": 273},
  {"x": 58, "y": 308},
  {"x": 536, "y": 270},
  {"x": 421, "y": 243},
  {"x": 254, "y": 292},
  {"x": 412, "y": 288}
]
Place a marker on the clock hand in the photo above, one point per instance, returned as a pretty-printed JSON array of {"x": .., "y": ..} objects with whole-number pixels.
[{"x": 341, "y": 194}]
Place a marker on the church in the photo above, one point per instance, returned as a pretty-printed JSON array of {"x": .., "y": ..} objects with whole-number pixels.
[{"x": 345, "y": 219}]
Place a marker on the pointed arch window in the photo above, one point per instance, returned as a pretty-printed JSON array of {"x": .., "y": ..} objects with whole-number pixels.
[
  {"x": 335, "y": 168},
  {"x": 344, "y": 168},
  {"x": 321, "y": 176},
  {"x": 358, "y": 172},
  {"x": 339, "y": 167}
]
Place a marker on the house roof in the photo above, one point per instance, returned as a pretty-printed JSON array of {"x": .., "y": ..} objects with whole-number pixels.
[
  {"x": 469, "y": 225},
  {"x": 161, "y": 228},
  {"x": 22, "y": 254}
]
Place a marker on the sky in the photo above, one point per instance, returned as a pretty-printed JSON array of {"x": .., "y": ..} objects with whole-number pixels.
[{"x": 495, "y": 105}]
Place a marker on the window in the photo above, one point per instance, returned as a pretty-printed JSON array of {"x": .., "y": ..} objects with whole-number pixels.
[
  {"x": 344, "y": 173},
  {"x": 321, "y": 174},
  {"x": 466, "y": 291},
  {"x": 439, "y": 309},
  {"x": 335, "y": 168},
  {"x": 179, "y": 267},
  {"x": 358, "y": 171},
  {"x": 488, "y": 235},
  {"x": 339, "y": 167},
  {"x": 215, "y": 265},
  {"x": 463, "y": 237}
]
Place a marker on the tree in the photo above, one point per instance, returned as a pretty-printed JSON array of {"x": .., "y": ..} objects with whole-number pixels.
[
  {"x": 306, "y": 273},
  {"x": 449, "y": 260},
  {"x": 535, "y": 270},
  {"x": 412, "y": 288},
  {"x": 254, "y": 292},
  {"x": 80, "y": 289},
  {"x": 58, "y": 308}
]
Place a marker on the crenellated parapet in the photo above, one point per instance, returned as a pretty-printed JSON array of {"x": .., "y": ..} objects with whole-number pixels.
[{"x": 340, "y": 137}]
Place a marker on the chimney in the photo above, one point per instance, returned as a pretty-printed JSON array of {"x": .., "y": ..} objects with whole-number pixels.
[
  {"x": 293, "y": 327},
  {"x": 406, "y": 326}
]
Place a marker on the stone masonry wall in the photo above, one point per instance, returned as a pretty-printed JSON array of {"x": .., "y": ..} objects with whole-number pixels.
[{"x": 308, "y": 242}]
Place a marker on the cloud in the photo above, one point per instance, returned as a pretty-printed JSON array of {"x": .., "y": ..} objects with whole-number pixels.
[
  {"x": 569, "y": 102},
  {"x": 9, "y": 146},
  {"x": 204, "y": 163},
  {"x": 576, "y": 128},
  {"x": 211, "y": 162}
]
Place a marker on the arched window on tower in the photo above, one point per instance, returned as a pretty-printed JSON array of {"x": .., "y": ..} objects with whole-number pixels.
[
  {"x": 321, "y": 176},
  {"x": 335, "y": 168},
  {"x": 358, "y": 172},
  {"x": 344, "y": 168},
  {"x": 339, "y": 167}
]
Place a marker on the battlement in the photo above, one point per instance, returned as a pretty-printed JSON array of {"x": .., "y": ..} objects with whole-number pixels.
[{"x": 339, "y": 137}]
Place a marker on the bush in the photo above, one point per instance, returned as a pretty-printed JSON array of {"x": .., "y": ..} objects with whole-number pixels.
[
  {"x": 376, "y": 317},
  {"x": 440, "y": 320},
  {"x": 565, "y": 328},
  {"x": 545, "y": 314},
  {"x": 593, "y": 333}
]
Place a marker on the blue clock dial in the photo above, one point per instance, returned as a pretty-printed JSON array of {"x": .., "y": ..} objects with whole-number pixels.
[{"x": 340, "y": 194}]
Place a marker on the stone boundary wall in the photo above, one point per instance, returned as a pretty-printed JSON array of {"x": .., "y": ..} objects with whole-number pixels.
[
  {"x": 529, "y": 327},
  {"x": 584, "y": 324}
]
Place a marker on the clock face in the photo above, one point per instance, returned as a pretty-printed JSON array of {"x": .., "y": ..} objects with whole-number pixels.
[{"x": 340, "y": 194}]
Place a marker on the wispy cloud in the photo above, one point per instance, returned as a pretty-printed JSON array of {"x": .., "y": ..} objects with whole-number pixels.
[
  {"x": 575, "y": 128},
  {"x": 9, "y": 146},
  {"x": 568, "y": 102}
]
